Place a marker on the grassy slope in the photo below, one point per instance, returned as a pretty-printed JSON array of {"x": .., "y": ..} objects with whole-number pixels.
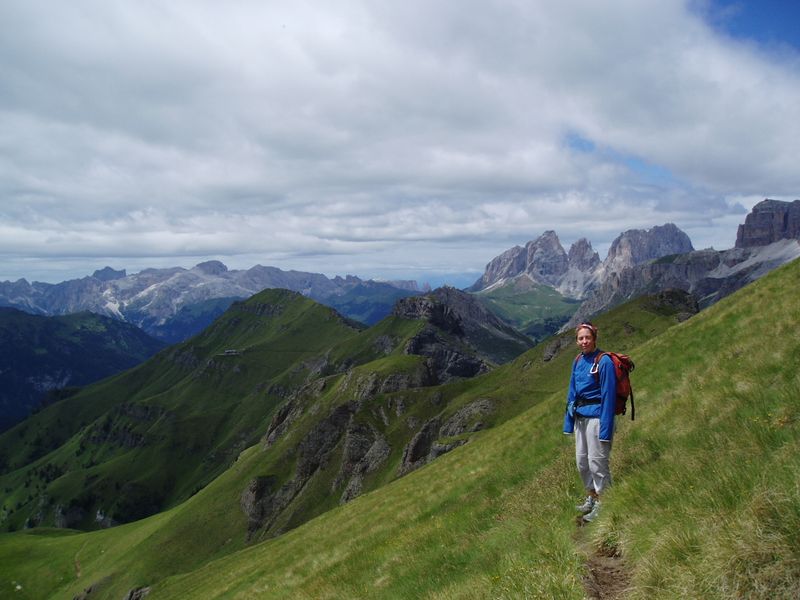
[
  {"x": 513, "y": 387},
  {"x": 536, "y": 310},
  {"x": 193, "y": 434},
  {"x": 706, "y": 502}
]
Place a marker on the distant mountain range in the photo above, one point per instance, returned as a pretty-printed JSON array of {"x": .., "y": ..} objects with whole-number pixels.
[
  {"x": 40, "y": 356},
  {"x": 520, "y": 282},
  {"x": 175, "y": 303},
  {"x": 537, "y": 288}
]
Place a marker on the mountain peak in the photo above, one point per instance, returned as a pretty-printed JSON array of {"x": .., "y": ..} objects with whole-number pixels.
[
  {"x": 109, "y": 274},
  {"x": 582, "y": 256},
  {"x": 637, "y": 246},
  {"x": 543, "y": 260},
  {"x": 460, "y": 314},
  {"x": 769, "y": 221},
  {"x": 211, "y": 267}
]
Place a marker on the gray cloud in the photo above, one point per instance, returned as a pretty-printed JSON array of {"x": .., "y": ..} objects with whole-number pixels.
[{"x": 375, "y": 136}]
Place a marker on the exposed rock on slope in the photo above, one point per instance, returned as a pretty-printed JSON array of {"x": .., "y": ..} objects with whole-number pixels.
[
  {"x": 576, "y": 273},
  {"x": 769, "y": 222},
  {"x": 425, "y": 445},
  {"x": 709, "y": 275},
  {"x": 463, "y": 338},
  {"x": 636, "y": 246}
]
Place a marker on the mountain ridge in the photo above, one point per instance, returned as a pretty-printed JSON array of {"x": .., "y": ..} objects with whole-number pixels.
[
  {"x": 174, "y": 303},
  {"x": 576, "y": 273},
  {"x": 646, "y": 262}
]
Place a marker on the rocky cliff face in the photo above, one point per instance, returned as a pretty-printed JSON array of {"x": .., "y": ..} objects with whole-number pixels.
[
  {"x": 576, "y": 273},
  {"x": 542, "y": 260},
  {"x": 463, "y": 338},
  {"x": 769, "y": 222},
  {"x": 637, "y": 246},
  {"x": 709, "y": 275},
  {"x": 769, "y": 237}
]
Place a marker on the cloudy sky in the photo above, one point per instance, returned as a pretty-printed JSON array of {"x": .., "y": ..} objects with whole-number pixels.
[{"x": 414, "y": 139}]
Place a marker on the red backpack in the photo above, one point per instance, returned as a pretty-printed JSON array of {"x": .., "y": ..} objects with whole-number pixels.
[{"x": 623, "y": 365}]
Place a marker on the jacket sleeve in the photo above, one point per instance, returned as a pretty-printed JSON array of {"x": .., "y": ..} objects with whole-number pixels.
[
  {"x": 608, "y": 394},
  {"x": 569, "y": 417}
]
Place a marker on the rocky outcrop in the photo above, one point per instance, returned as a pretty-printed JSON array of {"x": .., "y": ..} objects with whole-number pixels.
[
  {"x": 543, "y": 260},
  {"x": 462, "y": 338},
  {"x": 768, "y": 222},
  {"x": 468, "y": 419},
  {"x": 637, "y": 246},
  {"x": 264, "y": 499},
  {"x": 577, "y": 273},
  {"x": 546, "y": 260},
  {"x": 446, "y": 361},
  {"x": 365, "y": 450},
  {"x": 428, "y": 443},
  {"x": 709, "y": 275},
  {"x": 109, "y": 274},
  {"x": 582, "y": 257},
  {"x": 261, "y": 500},
  {"x": 416, "y": 452},
  {"x": 138, "y": 593}
]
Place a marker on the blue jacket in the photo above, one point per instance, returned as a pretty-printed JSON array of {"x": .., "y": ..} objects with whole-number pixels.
[{"x": 584, "y": 384}]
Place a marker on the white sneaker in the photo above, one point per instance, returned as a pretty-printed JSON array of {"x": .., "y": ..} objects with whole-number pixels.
[
  {"x": 587, "y": 505},
  {"x": 593, "y": 513}
]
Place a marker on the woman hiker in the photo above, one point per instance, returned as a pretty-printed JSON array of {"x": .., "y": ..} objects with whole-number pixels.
[{"x": 590, "y": 416}]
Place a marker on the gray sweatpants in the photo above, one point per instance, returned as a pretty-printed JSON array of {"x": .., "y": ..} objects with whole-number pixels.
[{"x": 591, "y": 455}]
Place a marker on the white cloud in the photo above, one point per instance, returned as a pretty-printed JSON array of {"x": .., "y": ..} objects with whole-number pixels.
[{"x": 376, "y": 135}]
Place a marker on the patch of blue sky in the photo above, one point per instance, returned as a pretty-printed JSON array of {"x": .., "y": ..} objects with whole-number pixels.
[
  {"x": 576, "y": 141},
  {"x": 648, "y": 172},
  {"x": 770, "y": 23},
  {"x": 643, "y": 170}
]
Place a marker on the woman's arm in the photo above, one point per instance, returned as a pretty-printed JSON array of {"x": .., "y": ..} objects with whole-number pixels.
[{"x": 608, "y": 395}]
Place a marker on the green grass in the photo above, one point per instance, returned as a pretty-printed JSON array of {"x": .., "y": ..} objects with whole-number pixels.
[
  {"x": 534, "y": 309},
  {"x": 706, "y": 502}
]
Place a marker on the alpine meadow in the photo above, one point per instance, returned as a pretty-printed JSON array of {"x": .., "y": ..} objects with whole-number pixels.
[{"x": 706, "y": 501}]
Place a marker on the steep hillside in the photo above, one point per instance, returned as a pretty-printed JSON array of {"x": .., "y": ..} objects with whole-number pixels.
[
  {"x": 340, "y": 438},
  {"x": 706, "y": 502},
  {"x": 152, "y": 437},
  {"x": 41, "y": 354}
]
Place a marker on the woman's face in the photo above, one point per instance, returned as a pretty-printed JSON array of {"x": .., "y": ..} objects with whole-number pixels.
[{"x": 586, "y": 341}]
